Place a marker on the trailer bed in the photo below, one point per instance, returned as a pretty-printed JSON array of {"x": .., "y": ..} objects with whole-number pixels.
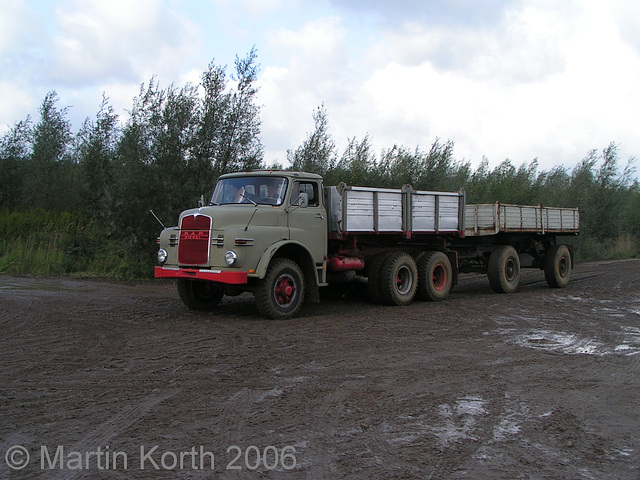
[{"x": 495, "y": 218}]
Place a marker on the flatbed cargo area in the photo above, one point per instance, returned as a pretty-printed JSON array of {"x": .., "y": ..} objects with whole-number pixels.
[{"x": 491, "y": 219}]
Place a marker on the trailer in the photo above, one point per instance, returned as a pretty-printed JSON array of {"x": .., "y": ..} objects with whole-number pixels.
[{"x": 284, "y": 236}]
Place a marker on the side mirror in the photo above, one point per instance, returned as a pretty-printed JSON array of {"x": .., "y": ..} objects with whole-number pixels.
[{"x": 303, "y": 200}]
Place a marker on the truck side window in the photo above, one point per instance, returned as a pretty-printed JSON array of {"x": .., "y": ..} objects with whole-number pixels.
[{"x": 310, "y": 188}]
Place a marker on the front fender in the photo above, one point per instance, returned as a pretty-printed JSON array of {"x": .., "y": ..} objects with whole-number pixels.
[{"x": 269, "y": 253}]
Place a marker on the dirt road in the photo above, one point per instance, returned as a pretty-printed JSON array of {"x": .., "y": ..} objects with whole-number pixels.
[{"x": 101, "y": 380}]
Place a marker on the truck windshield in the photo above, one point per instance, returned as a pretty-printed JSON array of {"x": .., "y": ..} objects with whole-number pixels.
[{"x": 258, "y": 190}]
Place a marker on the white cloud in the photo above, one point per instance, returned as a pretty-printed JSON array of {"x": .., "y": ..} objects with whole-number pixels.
[
  {"x": 11, "y": 23},
  {"x": 627, "y": 15},
  {"x": 16, "y": 35},
  {"x": 450, "y": 13},
  {"x": 317, "y": 71},
  {"x": 15, "y": 101},
  {"x": 524, "y": 47},
  {"x": 120, "y": 40},
  {"x": 548, "y": 81},
  {"x": 255, "y": 8},
  {"x": 84, "y": 48}
]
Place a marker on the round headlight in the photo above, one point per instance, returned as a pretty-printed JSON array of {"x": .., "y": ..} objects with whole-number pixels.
[
  {"x": 230, "y": 258},
  {"x": 162, "y": 255}
]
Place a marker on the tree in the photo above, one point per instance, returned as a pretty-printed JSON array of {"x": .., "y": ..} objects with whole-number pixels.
[
  {"x": 228, "y": 137},
  {"x": 50, "y": 180},
  {"x": 317, "y": 154},
  {"x": 15, "y": 151},
  {"x": 438, "y": 170},
  {"x": 241, "y": 146},
  {"x": 95, "y": 155},
  {"x": 398, "y": 166},
  {"x": 556, "y": 184},
  {"x": 212, "y": 113},
  {"x": 153, "y": 158},
  {"x": 607, "y": 206},
  {"x": 356, "y": 164}
]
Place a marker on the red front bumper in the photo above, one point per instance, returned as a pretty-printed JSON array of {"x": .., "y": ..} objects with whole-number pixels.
[{"x": 220, "y": 276}]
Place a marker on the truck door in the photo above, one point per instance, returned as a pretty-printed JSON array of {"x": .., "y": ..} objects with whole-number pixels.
[{"x": 308, "y": 225}]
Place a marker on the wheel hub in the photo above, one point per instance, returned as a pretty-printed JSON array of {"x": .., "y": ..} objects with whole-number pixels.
[
  {"x": 403, "y": 280},
  {"x": 285, "y": 290},
  {"x": 563, "y": 267},
  {"x": 510, "y": 270},
  {"x": 439, "y": 278}
]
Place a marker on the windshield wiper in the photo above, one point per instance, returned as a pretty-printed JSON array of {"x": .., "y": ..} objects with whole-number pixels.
[{"x": 248, "y": 199}]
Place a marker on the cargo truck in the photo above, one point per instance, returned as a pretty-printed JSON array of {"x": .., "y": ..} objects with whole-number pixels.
[{"x": 284, "y": 236}]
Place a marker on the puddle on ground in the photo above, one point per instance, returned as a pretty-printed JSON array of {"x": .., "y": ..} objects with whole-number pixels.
[{"x": 571, "y": 344}]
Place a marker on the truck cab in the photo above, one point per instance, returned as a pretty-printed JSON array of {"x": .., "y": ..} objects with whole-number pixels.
[{"x": 263, "y": 231}]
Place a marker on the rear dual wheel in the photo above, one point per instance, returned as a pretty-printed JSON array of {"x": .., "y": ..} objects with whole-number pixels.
[
  {"x": 436, "y": 276},
  {"x": 374, "y": 283},
  {"x": 393, "y": 279}
]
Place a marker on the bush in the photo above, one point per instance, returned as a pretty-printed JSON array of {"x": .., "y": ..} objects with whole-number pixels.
[{"x": 39, "y": 242}]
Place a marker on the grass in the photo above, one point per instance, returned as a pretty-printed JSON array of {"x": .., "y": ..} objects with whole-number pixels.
[
  {"x": 43, "y": 243},
  {"x": 589, "y": 248}
]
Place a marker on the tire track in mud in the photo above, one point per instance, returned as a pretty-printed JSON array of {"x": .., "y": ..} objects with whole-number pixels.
[
  {"x": 104, "y": 433},
  {"x": 324, "y": 438},
  {"x": 13, "y": 321}
]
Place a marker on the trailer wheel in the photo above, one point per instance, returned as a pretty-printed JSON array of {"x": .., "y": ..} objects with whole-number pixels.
[
  {"x": 557, "y": 266},
  {"x": 399, "y": 279},
  {"x": 281, "y": 293},
  {"x": 374, "y": 282},
  {"x": 199, "y": 295},
  {"x": 504, "y": 269},
  {"x": 435, "y": 276}
]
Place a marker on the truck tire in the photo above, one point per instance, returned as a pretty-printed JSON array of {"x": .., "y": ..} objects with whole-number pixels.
[
  {"x": 504, "y": 269},
  {"x": 198, "y": 294},
  {"x": 435, "y": 276},
  {"x": 280, "y": 294},
  {"x": 557, "y": 266},
  {"x": 374, "y": 282},
  {"x": 399, "y": 279}
]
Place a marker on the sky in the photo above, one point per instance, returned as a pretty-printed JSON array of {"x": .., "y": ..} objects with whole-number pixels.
[{"x": 502, "y": 79}]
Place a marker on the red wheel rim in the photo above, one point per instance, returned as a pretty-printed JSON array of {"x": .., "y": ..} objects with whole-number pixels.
[
  {"x": 284, "y": 290},
  {"x": 439, "y": 278}
]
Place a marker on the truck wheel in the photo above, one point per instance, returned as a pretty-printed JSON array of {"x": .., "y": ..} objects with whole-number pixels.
[
  {"x": 199, "y": 295},
  {"x": 399, "y": 279},
  {"x": 374, "y": 282},
  {"x": 504, "y": 269},
  {"x": 281, "y": 293},
  {"x": 435, "y": 276},
  {"x": 557, "y": 266}
]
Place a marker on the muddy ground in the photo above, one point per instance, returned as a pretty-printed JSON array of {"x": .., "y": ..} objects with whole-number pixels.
[{"x": 543, "y": 384}]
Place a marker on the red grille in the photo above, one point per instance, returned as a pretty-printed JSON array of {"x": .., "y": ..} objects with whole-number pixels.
[{"x": 194, "y": 240}]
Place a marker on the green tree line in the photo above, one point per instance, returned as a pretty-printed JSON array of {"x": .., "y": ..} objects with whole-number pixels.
[{"x": 79, "y": 202}]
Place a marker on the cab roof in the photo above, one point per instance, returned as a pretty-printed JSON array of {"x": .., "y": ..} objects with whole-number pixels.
[{"x": 272, "y": 173}]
